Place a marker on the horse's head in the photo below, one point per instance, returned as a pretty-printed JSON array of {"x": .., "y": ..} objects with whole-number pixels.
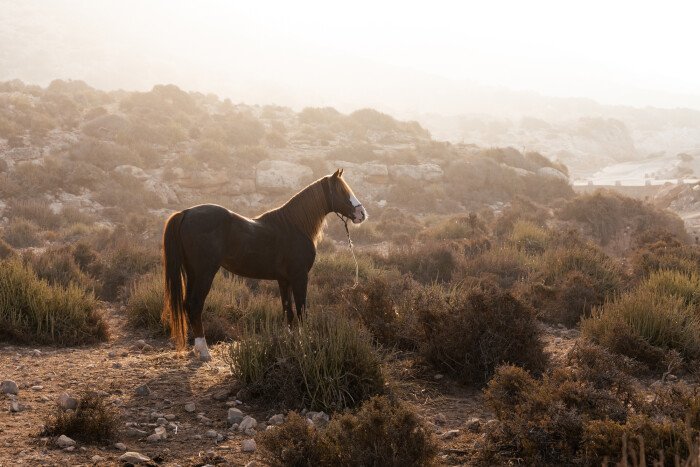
[{"x": 343, "y": 200}]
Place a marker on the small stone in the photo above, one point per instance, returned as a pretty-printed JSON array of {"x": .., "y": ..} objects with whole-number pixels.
[
  {"x": 64, "y": 441},
  {"x": 672, "y": 377},
  {"x": 66, "y": 402},
  {"x": 211, "y": 434},
  {"x": 9, "y": 387},
  {"x": 250, "y": 431},
  {"x": 162, "y": 421},
  {"x": 135, "y": 432},
  {"x": 234, "y": 427},
  {"x": 204, "y": 420},
  {"x": 116, "y": 365},
  {"x": 120, "y": 446},
  {"x": 557, "y": 340},
  {"x": 37, "y": 387},
  {"x": 247, "y": 423},
  {"x": 235, "y": 416},
  {"x": 320, "y": 419},
  {"x": 473, "y": 424},
  {"x": 143, "y": 390},
  {"x": 248, "y": 445},
  {"x": 450, "y": 434},
  {"x": 438, "y": 377},
  {"x": 440, "y": 419},
  {"x": 83, "y": 448},
  {"x": 276, "y": 419},
  {"x": 36, "y": 352},
  {"x": 252, "y": 464},
  {"x": 142, "y": 345},
  {"x": 170, "y": 417},
  {"x": 190, "y": 407},
  {"x": 95, "y": 459},
  {"x": 112, "y": 354},
  {"x": 220, "y": 396},
  {"x": 15, "y": 406},
  {"x": 69, "y": 449},
  {"x": 154, "y": 438},
  {"x": 134, "y": 458}
]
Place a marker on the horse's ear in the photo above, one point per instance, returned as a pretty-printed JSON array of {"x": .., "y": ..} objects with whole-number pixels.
[
  {"x": 341, "y": 172},
  {"x": 338, "y": 173}
]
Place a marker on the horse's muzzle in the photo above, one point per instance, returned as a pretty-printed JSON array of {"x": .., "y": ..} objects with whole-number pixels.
[{"x": 359, "y": 215}]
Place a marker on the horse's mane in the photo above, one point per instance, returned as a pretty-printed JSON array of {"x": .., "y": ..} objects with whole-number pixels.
[{"x": 306, "y": 211}]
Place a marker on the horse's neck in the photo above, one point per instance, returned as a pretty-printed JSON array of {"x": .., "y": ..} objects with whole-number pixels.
[{"x": 306, "y": 211}]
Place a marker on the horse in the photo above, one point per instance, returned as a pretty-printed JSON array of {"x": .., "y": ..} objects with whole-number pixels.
[{"x": 279, "y": 244}]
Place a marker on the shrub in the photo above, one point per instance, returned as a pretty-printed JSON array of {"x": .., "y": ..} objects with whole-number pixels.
[
  {"x": 664, "y": 252},
  {"x": 93, "y": 421},
  {"x": 5, "y": 250},
  {"x": 505, "y": 265},
  {"x": 327, "y": 363},
  {"x": 470, "y": 332},
  {"x": 58, "y": 266},
  {"x": 32, "y": 310},
  {"x": 380, "y": 433},
  {"x": 21, "y": 233},
  {"x": 643, "y": 324},
  {"x": 675, "y": 283},
  {"x": 35, "y": 211},
  {"x": 458, "y": 227},
  {"x": 427, "y": 263},
  {"x": 529, "y": 237}
]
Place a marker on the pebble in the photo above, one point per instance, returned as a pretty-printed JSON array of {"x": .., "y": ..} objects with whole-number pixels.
[
  {"x": 134, "y": 458},
  {"x": 320, "y": 419},
  {"x": 142, "y": 345},
  {"x": 9, "y": 387},
  {"x": 95, "y": 459},
  {"x": 252, "y": 464},
  {"x": 116, "y": 365},
  {"x": 220, "y": 396},
  {"x": 38, "y": 387},
  {"x": 440, "y": 419},
  {"x": 66, "y": 402},
  {"x": 248, "y": 445},
  {"x": 162, "y": 421},
  {"x": 170, "y": 417},
  {"x": 120, "y": 446},
  {"x": 491, "y": 425},
  {"x": 450, "y": 434},
  {"x": 36, "y": 352},
  {"x": 247, "y": 423},
  {"x": 235, "y": 416},
  {"x": 112, "y": 354},
  {"x": 64, "y": 441},
  {"x": 15, "y": 407},
  {"x": 135, "y": 432},
  {"x": 204, "y": 420},
  {"x": 276, "y": 419},
  {"x": 438, "y": 377},
  {"x": 211, "y": 434},
  {"x": 143, "y": 390},
  {"x": 190, "y": 407}
]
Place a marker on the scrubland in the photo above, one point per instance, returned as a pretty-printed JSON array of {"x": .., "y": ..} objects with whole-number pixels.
[{"x": 499, "y": 318}]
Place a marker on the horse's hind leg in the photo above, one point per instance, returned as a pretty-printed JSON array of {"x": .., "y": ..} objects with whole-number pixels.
[
  {"x": 197, "y": 290},
  {"x": 286, "y": 296}
]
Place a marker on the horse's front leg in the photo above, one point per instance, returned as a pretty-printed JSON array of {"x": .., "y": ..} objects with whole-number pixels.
[
  {"x": 299, "y": 285},
  {"x": 286, "y": 296}
]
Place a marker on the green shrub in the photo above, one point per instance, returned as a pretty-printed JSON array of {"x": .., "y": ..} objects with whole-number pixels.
[
  {"x": 93, "y": 421},
  {"x": 380, "y": 433},
  {"x": 675, "y": 283},
  {"x": 529, "y": 237},
  {"x": 470, "y": 332},
  {"x": 327, "y": 363},
  {"x": 643, "y": 324},
  {"x": 32, "y": 310},
  {"x": 21, "y": 233}
]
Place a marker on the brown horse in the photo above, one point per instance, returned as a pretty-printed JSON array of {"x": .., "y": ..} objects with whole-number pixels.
[{"x": 277, "y": 245}]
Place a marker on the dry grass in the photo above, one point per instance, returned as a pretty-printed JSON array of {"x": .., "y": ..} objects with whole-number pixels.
[{"x": 93, "y": 421}]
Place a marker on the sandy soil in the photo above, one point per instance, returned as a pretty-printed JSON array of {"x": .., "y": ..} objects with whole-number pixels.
[{"x": 118, "y": 367}]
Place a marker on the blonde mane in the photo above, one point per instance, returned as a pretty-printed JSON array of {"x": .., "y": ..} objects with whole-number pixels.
[{"x": 306, "y": 211}]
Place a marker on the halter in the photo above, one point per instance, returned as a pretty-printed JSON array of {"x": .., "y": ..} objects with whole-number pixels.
[{"x": 344, "y": 220}]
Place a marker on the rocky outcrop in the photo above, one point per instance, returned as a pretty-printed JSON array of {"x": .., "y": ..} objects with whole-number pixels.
[
  {"x": 421, "y": 172},
  {"x": 281, "y": 176},
  {"x": 369, "y": 172}
]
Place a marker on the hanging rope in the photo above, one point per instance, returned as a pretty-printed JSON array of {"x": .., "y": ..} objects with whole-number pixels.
[{"x": 352, "y": 249}]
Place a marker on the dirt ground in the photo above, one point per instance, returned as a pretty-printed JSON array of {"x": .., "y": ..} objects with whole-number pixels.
[{"x": 117, "y": 367}]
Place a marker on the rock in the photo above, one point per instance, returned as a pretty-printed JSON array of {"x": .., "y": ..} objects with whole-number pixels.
[
  {"x": 281, "y": 176},
  {"x": 9, "y": 387},
  {"x": 276, "y": 419},
  {"x": 37, "y": 387},
  {"x": 235, "y": 416},
  {"x": 15, "y": 406},
  {"x": 66, "y": 402},
  {"x": 135, "y": 432},
  {"x": 134, "y": 458},
  {"x": 320, "y": 419},
  {"x": 252, "y": 464},
  {"x": 551, "y": 172},
  {"x": 204, "y": 420},
  {"x": 36, "y": 353},
  {"x": 162, "y": 191},
  {"x": 112, "y": 354},
  {"x": 422, "y": 172},
  {"x": 473, "y": 424},
  {"x": 64, "y": 441},
  {"x": 116, "y": 365},
  {"x": 247, "y": 423},
  {"x": 96, "y": 459},
  {"x": 142, "y": 345},
  {"x": 211, "y": 434},
  {"x": 440, "y": 419},
  {"x": 162, "y": 421},
  {"x": 120, "y": 446},
  {"x": 190, "y": 407},
  {"x": 438, "y": 377},
  {"x": 142, "y": 390},
  {"x": 154, "y": 438},
  {"x": 248, "y": 445},
  {"x": 170, "y": 417},
  {"x": 450, "y": 434},
  {"x": 220, "y": 396},
  {"x": 136, "y": 172}
]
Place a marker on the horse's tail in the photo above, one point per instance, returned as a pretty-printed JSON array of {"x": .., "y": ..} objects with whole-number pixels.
[{"x": 174, "y": 274}]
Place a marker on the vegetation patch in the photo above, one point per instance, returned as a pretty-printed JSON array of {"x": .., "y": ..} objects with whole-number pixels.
[{"x": 93, "y": 421}]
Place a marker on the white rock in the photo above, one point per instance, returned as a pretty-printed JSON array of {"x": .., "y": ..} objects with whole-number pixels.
[
  {"x": 248, "y": 445},
  {"x": 247, "y": 423},
  {"x": 120, "y": 446},
  {"x": 190, "y": 407},
  {"x": 281, "y": 176},
  {"x": 9, "y": 387},
  {"x": 276, "y": 419},
  {"x": 95, "y": 459},
  {"x": 134, "y": 458},
  {"x": 450, "y": 434},
  {"x": 64, "y": 441},
  {"x": 235, "y": 416}
]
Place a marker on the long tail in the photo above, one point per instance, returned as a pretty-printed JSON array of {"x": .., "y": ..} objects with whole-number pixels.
[{"x": 174, "y": 313}]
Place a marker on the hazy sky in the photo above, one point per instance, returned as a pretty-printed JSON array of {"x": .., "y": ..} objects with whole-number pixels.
[{"x": 347, "y": 54}]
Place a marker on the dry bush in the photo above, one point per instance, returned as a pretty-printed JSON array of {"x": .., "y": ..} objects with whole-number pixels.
[
  {"x": 664, "y": 252},
  {"x": 335, "y": 272},
  {"x": 520, "y": 209},
  {"x": 606, "y": 214},
  {"x": 213, "y": 153},
  {"x": 469, "y": 332},
  {"x": 21, "y": 233},
  {"x": 645, "y": 324},
  {"x": 529, "y": 237},
  {"x": 275, "y": 364},
  {"x": 58, "y": 266},
  {"x": 468, "y": 226},
  {"x": 93, "y": 421},
  {"x": 393, "y": 223},
  {"x": 5, "y": 250},
  {"x": 35, "y": 211},
  {"x": 569, "y": 281},
  {"x": 32, "y": 310},
  {"x": 506, "y": 265},
  {"x": 380, "y": 433},
  {"x": 427, "y": 263}
]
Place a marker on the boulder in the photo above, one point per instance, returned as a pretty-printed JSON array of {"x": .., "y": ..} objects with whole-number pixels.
[
  {"x": 281, "y": 176},
  {"x": 422, "y": 172},
  {"x": 235, "y": 416},
  {"x": 248, "y": 445}
]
